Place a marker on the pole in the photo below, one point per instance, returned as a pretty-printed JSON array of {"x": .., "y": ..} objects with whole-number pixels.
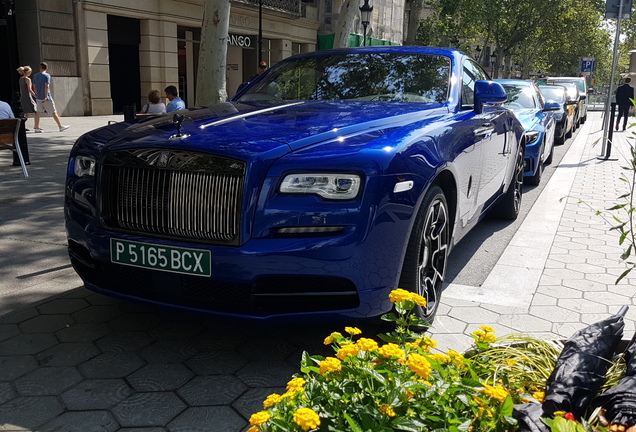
[
  {"x": 606, "y": 121},
  {"x": 364, "y": 34},
  {"x": 260, "y": 31}
]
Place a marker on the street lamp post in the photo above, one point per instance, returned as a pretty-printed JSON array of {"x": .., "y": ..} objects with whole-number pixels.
[
  {"x": 478, "y": 53},
  {"x": 365, "y": 18},
  {"x": 260, "y": 31}
]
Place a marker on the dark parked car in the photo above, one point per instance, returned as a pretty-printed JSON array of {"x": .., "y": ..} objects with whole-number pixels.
[
  {"x": 525, "y": 99},
  {"x": 581, "y": 85},
  {"x": 332, "y": 179},
  {"x": 564, "y": 116}
]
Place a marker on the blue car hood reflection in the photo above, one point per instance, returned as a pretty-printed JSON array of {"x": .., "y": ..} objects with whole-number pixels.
[
  {"x": 528, "y": 118},
  {"x": 261, "y": 127}
]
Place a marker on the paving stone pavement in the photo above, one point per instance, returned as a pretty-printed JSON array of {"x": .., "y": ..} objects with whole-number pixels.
[{"x": 73, "y": 360}]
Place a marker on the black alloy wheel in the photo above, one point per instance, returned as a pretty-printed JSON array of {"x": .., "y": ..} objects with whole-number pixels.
[
  {"x": 427, "y": 252},
  {"x": 510, "y": 204}
]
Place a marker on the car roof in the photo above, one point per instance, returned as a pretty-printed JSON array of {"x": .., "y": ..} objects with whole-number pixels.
[
  {"x": 412, "y": 49},
  {"x": 518, "y": 82}
]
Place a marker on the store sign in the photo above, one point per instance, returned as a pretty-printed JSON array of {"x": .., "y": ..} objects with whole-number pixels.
[{"x": 239, "y": 40}]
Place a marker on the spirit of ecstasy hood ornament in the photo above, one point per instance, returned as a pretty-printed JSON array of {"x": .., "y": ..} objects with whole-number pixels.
[{"x": 177, "y": 120}]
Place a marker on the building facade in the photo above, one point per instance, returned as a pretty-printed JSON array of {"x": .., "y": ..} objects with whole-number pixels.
[{"x": 106, "y": 54}]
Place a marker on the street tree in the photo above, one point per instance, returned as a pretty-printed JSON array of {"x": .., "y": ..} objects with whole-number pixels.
[
  {"x": 344, "y": 24},
  {"x": 211, "y": 87}
]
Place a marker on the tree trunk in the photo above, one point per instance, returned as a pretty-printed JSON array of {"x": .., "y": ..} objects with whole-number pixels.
[
  {"x": 211, "y": 86},
  {"x": 414, "y": 22},
  {"x": 348, "y": 12}
]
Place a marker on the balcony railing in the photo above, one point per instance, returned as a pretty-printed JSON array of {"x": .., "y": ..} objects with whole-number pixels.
[{"x": 291, "y": 7}]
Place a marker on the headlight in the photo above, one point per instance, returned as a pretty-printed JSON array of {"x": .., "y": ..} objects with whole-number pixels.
[
  {"x": 531, "y": 136},
  {"x": 329, "y": 186},
  {"x": 84, "y": 166}
]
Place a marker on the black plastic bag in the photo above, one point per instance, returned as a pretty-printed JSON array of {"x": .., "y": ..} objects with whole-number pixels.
[
  {"x": 620, "y": 400},
  {"x": 580, "y": 369},
  {"x": 578, "y": 374}
]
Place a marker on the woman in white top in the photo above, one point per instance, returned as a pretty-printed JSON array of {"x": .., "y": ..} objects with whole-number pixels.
[{"x": 154, "y": 107}]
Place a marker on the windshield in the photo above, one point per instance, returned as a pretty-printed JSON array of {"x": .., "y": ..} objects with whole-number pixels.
[
  {"x": 554, "y": 93},
  {"x": 519, "y": 97},
  {"x": 578, "y": 82},
  {"x": 395, "y": 77}
]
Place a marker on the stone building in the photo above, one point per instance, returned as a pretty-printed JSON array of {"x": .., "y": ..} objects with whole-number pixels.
[{"x": 106, "y": 54}]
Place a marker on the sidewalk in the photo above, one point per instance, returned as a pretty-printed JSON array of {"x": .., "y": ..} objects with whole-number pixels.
[{"x": 74, "y": 360}]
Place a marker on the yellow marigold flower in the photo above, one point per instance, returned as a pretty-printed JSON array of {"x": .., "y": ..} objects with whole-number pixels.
[
  {"x": 418, "y": 299},
  {"x": 330, "y": 364},
  {"x": 306, "y": 418},
  {"x": 253, "y": 429},
  {"x": 272, "y": 400},
  {"x": 538, "y": 396},
  {"x": 419, "y": 364},
  {"x": 295, "y": 385},
  {"x": 387, "y": 410},
  {"x": 391, "y": 350},
  {"x": 489, "y": 337},
  {"x": 259, "y": 418},
  {"x": 496, "y": 392},
  {"x": 479, "y": 333},
  {"x": 398, "y": 295},
  {"x": 454, "y": 355},
  {"x": 511, "y": 362},
  {"x": 409, "y": 394},
  {"x": 353, "y": 330},
  {"x": 347, "y": 351},
  {"x": 330, "y": 339},
  {"x": 366, "y": 344},
  {"x": 487, "y": 329},
  {"x": 559, "y": 413},
  {"x": 442, "y": 358}
]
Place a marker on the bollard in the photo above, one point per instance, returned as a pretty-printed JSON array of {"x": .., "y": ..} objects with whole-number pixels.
[
  {"x": 610, "y": 132},
  {"x": 129, "y": 112}
]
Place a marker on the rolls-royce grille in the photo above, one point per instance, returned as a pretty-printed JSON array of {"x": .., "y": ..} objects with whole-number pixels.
[{"x": 174, "y": 194}]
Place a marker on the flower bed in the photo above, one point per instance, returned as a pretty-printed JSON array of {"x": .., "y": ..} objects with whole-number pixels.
[{"x": 401, "y": 385}]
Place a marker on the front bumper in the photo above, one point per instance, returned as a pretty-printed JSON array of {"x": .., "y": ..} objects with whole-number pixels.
[{"x": 317, "y": 277}]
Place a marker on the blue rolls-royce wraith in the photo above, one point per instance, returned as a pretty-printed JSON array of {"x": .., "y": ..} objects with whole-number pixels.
[{"x": 332, "y": 179}]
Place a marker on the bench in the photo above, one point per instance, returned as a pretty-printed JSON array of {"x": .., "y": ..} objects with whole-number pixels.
[{"x": 9, "y": 129}]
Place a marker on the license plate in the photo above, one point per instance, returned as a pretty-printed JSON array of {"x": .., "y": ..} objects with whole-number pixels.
[{"x": 165, "y": 258}]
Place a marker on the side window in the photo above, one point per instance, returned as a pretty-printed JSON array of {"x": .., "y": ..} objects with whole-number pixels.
[
  {"x": 471, "y": 73},
  {"x": 540, "y": 96}
]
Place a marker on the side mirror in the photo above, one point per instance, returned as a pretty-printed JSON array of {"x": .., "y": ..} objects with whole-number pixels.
[
  {"x": 583, "y": 97},
  {"x": 488, "y": 93},
  {"x": 551, "y": 106}
]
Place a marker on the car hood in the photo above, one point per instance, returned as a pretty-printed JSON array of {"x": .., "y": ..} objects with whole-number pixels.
[
  {"x": 528, "y": 118},
  {"x": 258, "y": 127}
]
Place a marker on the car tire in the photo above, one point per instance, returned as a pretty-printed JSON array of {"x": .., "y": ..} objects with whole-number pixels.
[
  {"x": 510, "y": 204},
  {"x": 426, "y": 255}
]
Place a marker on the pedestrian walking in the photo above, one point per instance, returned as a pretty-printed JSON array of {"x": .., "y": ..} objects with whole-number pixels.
[
  {"x": 176, "y": 103},
  {"x": 624, "y": 96},
  {"x": 44, "y": 101},
  {"x": 27, "y": 95}
]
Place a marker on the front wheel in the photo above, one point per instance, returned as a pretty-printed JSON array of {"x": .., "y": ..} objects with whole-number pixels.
[
  {"x": 510, "y": 204},
  {"x": 427, "y": 252}
]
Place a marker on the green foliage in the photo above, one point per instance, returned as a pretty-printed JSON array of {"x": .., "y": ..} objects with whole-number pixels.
[{"x": 547, "y": 35}]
